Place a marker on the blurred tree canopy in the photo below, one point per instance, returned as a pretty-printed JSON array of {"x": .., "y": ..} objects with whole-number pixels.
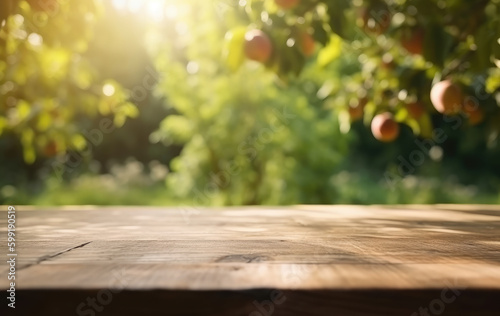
[
  {"x": 404, "y": 48},
  {"x": 347, "y": 77},
  {"x": 246, "y": 140},
  {"x": 255, "y": 101},
  {"x": 47, "y": 85}
]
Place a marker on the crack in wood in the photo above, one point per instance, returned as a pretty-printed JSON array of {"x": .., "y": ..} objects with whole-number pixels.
[
  {"x": 48, "y": 257},
  {"x": 247, "y": 258}
]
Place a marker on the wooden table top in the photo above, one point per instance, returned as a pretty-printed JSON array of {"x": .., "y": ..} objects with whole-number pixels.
[{"x": 300, "y": 260}]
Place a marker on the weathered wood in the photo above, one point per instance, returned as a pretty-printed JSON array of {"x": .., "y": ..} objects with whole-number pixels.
[{"x": 328, "y": 260}]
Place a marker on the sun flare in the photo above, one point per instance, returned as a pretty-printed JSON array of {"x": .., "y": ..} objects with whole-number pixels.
[{"x": 155, "y": 9}]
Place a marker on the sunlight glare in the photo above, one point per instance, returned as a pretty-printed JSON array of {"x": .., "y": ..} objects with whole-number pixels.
[
  {"x": 154, "y": 9},
  {"x": 108, "y": 90}
]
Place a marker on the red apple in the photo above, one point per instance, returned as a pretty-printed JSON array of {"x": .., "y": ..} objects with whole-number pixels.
[
  {"x": 447, "y": 97},
  {"x": 413, "y": 41},
  {"x": 307, "y": 44},
  {"x": 376, "y": 19},
  {"x": 258, "y": 46},
  {"x": 473, "y": 112},
  {"x": 385, "y": 128},
  {"x": 43, "y": 5},
  {"x": 416, "y": 110},
  {"x": 287, "y": 4}
]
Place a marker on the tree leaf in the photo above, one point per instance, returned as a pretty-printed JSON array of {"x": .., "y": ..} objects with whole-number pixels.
[
  {"x": 331, "y": 51},
  {"x": 234, "y": 48}
]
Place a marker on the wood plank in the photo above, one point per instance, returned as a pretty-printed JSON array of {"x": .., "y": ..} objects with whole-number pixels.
[
  {"x": 33, "y": 252},
  {"x": 253, "y": 223},
  {"x": 241, "y": 276},
  {"x": 352, "y": 260},
  {"x": 363, "y": 250}
]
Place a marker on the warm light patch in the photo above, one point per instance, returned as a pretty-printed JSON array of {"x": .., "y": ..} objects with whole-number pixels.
[
  {"x": 155, "y": 9},
  {"x": 108, "y": 90}
]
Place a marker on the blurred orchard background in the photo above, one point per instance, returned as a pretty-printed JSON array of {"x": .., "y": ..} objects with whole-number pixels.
[{"x": 246, "y": 102}]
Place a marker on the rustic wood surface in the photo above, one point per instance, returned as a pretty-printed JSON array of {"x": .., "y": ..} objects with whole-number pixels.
[{"x": 319, "y": 260}]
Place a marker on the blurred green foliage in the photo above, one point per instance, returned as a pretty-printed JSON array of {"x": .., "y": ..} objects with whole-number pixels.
[
  {"x": 358, "y": 187},
  {"x": 222, "y": 130},
  {"x": 47, "y": 85},
  {"x": 247, "y": 139},
  {"x": 402, "y": 46}
]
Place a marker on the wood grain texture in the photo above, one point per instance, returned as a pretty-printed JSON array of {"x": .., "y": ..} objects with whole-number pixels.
[{"x": 328, "y": 260}]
